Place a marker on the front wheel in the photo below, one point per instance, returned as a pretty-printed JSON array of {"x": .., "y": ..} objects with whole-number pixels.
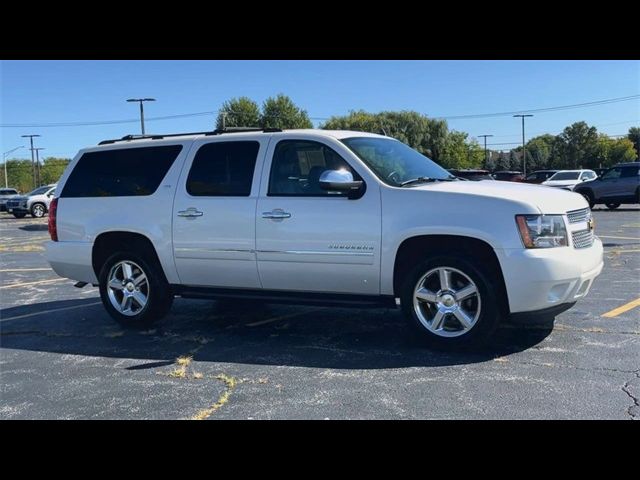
[
  {"x": 612, "y": 206},
  {"x": 134, "y": 290},
  {"x": 451, "y": 302}
]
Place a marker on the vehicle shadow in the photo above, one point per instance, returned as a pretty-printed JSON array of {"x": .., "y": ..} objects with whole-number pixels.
[
  {"x": 245, "y": 334},
  {"x": 605, "y": 209},
  {"x": 35, "y": 227}
]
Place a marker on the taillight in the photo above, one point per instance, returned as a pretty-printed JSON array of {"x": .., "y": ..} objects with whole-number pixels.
[{"x": 53, "y": 224}]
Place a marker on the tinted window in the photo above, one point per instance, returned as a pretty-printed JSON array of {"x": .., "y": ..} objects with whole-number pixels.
[
  {"x": 8, "y": 192},
  {"x": 630, "y": 172},
  {"x": 612, "y": 174},
  {"x": 297, "y": 166},
  {"x": 121, "y": 172},
  {"x": 565, "y": 176},
  {"x": 39, "y": 191},
  {"x": 223, "y": 169}
]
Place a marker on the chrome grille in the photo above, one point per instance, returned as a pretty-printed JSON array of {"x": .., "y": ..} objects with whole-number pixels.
[
  {"x": 582, "y": 238},
  {"x": 577, "y": 216}
]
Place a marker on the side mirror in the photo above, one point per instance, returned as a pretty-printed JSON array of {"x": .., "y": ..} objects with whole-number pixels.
[{"x": 341, "y": 181}]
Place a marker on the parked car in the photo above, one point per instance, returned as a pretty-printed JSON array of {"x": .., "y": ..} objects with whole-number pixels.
[
  {"x": 539, "y": 176},
  {"x": 36, "y": 202},
  {"x": 475, "y": 175},
  {"x": 508, "y": 176},
  {"x": 316, "y": 216},
  {"x": 6, "y": 194},
  {"x": 620, "y": 184},
  {"x": 568, "y": 179}
]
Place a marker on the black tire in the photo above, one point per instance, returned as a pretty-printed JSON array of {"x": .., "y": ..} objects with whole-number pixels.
[
  {"x": 488, "y": 288},
  {"x": 588, "y": 196},
  {"x": 159, "y": 298},
  {"x": 38, "y": 210},
  {"x": 19, "y": 215},
  {"x": 612, "y": 206}
]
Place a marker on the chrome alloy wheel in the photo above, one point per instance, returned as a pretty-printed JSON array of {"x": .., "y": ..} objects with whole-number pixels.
[
  {"x": 447, "y": 302},
  {"x": 128, "y": 288},
  {"x": 38, "y": 210}
]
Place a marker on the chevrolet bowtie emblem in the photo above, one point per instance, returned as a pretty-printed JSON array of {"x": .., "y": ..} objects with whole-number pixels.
[{"x": 592, "y": 224}]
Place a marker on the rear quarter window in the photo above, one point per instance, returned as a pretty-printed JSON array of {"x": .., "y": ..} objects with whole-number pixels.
[{"x": 124, "y": 172}]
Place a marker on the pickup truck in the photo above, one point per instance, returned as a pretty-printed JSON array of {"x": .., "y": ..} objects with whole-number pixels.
[{"x": 316, "y": 217}]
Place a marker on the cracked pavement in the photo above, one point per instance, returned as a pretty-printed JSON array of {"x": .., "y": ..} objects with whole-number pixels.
[{"x": 61, "y": 356}]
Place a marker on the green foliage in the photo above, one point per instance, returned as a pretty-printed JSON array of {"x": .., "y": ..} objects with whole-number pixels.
[
  {"x": 239, "y": 112},
  {"x": 614, "y": 150},
  {"x": 281, "y": 112},
  {"x": 634, "y": 136},
  {"x": 539, "y": 152},
  {"x": 20, "y": 172},
  {"x": 578, "y": 145}
]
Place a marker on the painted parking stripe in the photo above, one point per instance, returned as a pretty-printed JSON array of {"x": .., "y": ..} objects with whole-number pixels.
[
  {"x": 14, "y": 285},
  {"x": 50, "y": 311},
  {"x": 25, "y": 270},
  {"x": 624, "y": 308}
]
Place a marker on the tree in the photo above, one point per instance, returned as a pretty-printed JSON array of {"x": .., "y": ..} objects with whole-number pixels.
[
  {"x": 238, "y": 112},
  {"x": 539, "y": 152},
  {"x": 578, "y": 146},
  {"x": 52, "y": 169},
  {"x": 634, "y": 136},
  {"x": 19, "y": 173},
  {"x": 614, "y": 150},
  {"x": 281, "y": 112}
]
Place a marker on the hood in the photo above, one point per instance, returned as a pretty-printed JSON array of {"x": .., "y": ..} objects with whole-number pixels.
[
  {"x": 546, "y": 200},
  {"x": 10, "y": 197},
  {"x": 561, "y": 183}
]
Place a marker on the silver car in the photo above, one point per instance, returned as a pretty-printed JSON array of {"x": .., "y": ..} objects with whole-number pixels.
[
  {"x": 620, "y": 184},
  {"x": 36, "y": 202}
]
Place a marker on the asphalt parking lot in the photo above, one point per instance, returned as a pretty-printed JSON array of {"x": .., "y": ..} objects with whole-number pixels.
[{"x": 62, "y": 357}]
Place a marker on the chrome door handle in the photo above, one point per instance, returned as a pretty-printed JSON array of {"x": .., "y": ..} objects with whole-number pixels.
[
  {"x": 276, "y": 214},
  {"x": 190, "y": 213}
]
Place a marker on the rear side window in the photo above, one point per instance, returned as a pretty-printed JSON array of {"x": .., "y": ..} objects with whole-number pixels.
[
  {"x": 124, "y": 172},
  {"x": 223, "y": 169},
  {"x": 630, "y": 172}
]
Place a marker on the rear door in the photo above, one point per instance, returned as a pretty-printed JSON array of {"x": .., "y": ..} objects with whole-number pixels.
[
  {"x": 629, "y": 181},
  {"x": 313, "y": 240},
  {"x": 214, "y": 212},
  {"x": 610, "y": 185}
]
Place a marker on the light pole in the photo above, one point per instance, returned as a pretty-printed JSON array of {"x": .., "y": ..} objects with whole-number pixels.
[
  {"x": 141, "y": 101},
  {"x": 4, "y": 160},
  {"x": 485, "y": 147},
  {"x": 524, "y": 149},
  {"x": 38, "y": 163},
  {"x": 30, "y": 137}
]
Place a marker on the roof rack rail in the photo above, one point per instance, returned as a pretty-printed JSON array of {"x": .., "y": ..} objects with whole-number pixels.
[{"x": 218, "y": 131}]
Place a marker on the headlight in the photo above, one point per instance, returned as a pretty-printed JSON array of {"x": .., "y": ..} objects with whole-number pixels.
[{"x": 542, "y": 231}]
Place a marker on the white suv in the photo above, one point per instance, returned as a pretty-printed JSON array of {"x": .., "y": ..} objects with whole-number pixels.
[{"x": 315, "y": 216}]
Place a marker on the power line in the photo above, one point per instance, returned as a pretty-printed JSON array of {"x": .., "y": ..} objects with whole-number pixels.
[{"x": 214, "y": 112}]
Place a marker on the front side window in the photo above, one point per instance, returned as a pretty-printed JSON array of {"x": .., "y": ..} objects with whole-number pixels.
[
  {"x": 297, "y": 166},
  {"x": 612, "y": 174},
  {"x": 120, "y": 172},
  {"x": 223, "y": 169},
  {"x": 565, "y": 176},
  {"x": 395, "y": 163}
]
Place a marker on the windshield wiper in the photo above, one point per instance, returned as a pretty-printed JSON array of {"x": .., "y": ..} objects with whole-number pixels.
[{"x": 425, "y": 180}]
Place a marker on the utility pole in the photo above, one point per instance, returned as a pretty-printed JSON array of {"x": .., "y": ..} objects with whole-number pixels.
[
  {"x": 524, "y": 149},
  {"x": 38, "y": 163},
  {"x": 485, "y": 147},
  {"x": 224, "y": 120},
  {"x": 4, "y": 161},
  {"x": 30, "y": 137},
  {"x": 141, "y": 101}
]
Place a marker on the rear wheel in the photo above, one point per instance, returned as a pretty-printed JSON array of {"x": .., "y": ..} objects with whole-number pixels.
[
  {"x": 19, "y": 214},
  {"x": 134, "y": 290},
  {"x": 451, "y": 301},
  {"x": 612, "y": 206},
  {"x": 38, "y": 210}
]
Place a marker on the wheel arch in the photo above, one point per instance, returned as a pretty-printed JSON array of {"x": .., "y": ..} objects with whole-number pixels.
[
  {"x": 412, "y": 250},
  {"x": 108, "y": 243}
]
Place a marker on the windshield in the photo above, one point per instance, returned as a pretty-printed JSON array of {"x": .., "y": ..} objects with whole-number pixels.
[
  {"x": 39, "y": 191},
  {"x": 565, "y": 176},
  {"x": 394, "y": 162}
]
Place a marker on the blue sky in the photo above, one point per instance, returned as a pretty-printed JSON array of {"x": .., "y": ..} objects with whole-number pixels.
[{"x": 37, "y": 92}]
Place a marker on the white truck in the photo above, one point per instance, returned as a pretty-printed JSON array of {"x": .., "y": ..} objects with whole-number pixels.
[{"x": 316, "y": 217}]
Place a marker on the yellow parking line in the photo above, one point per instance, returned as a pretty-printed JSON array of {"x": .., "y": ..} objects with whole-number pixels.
[
  {"x": 51, "y": 311},
  {"x": 14, "y": 285},
  {"x": 25, "y": 270},
  {"x": 624, "y": 308},
  {"x": 619, "y": 238}
]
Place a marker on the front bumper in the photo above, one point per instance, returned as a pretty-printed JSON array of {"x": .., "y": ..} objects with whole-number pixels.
[{"x": 540, "y": 279}]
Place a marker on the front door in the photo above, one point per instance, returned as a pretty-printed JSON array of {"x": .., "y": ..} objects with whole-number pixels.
[
  {"x": 610, "y": 185},
  {"x": 214, "y": 213},
  {"x": 313, "y": 240}
]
